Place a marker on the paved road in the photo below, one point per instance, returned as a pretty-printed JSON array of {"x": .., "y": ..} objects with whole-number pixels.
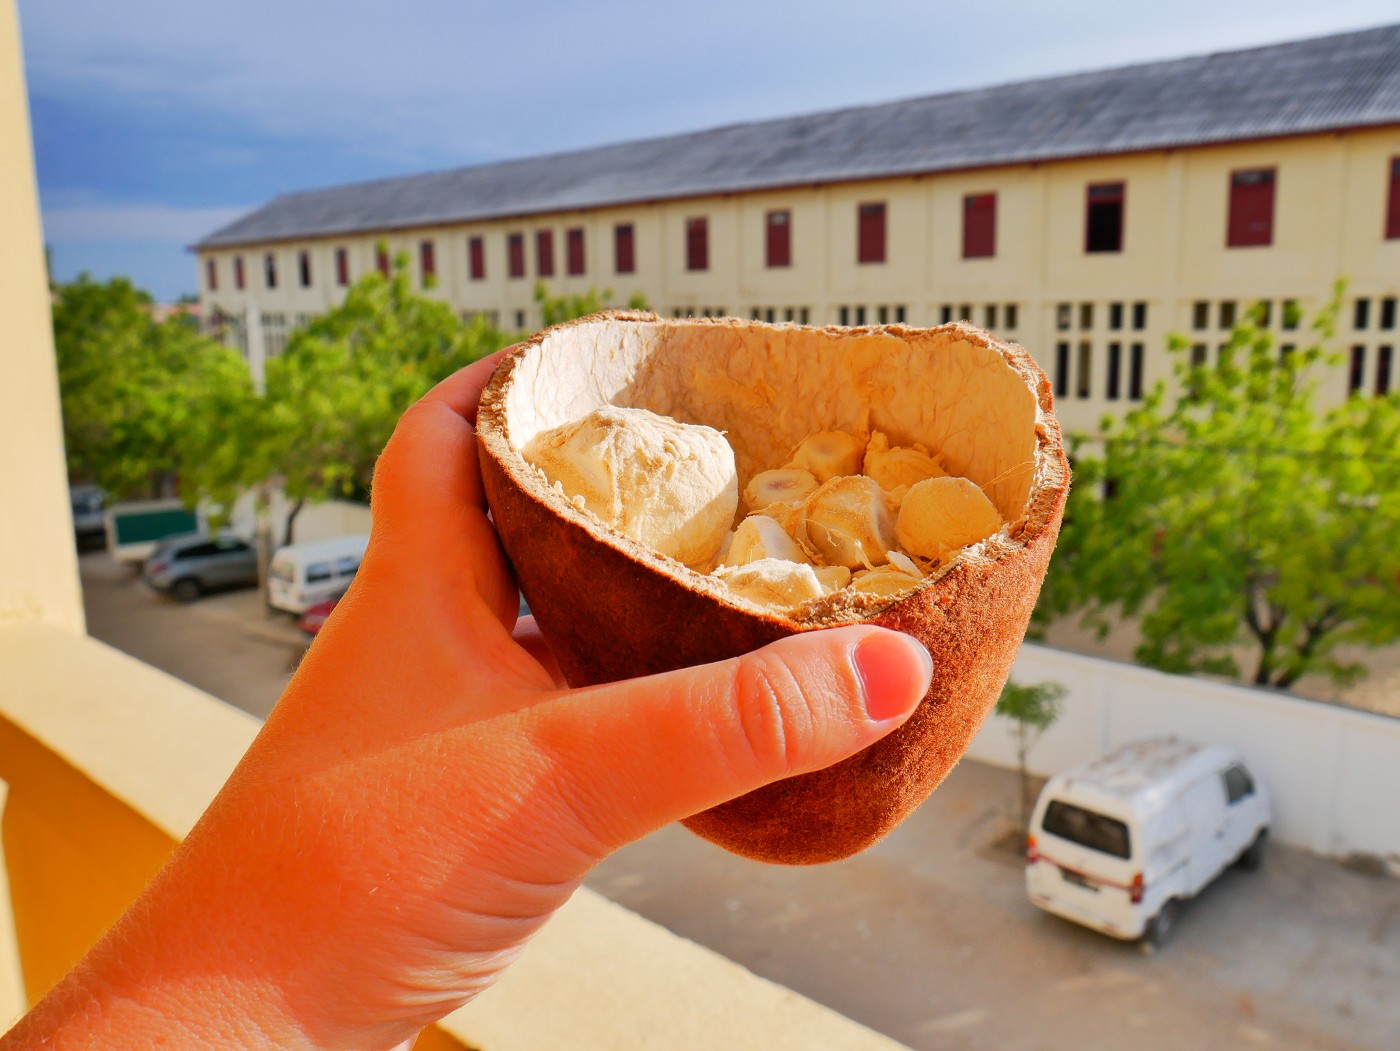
[{"x": 928, "y": 937}]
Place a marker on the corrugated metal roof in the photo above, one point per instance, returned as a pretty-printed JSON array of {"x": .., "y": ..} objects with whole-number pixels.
[{"x": 1342, "y": 81}]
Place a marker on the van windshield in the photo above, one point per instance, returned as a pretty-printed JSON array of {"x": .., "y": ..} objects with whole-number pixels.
[
  {"x": 1096, "y": 831},
  {"x": 282, "y": 570}
]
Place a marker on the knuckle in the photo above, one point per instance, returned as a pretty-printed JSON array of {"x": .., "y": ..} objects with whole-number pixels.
[{"x": 776, "y": 721}]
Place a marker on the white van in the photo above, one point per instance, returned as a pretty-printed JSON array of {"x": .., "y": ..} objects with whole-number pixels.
[
  {"x": 1116, "y": 845},
  {"x": 302, "y": 575}
]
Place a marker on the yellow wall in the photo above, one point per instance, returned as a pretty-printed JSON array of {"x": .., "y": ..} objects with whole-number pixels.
[
  {"x": 1329, "y": 219},
  {"x": 38, "y": 566}
]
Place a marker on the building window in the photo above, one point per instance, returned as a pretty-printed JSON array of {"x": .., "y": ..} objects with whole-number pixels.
[
  {"x": 1086, "y": 316},
  {"x": 342, "y": 267},
  {"x": 1115, "y": 365},
  {"x": 1361, "y": 314},
  {"x": 544, "y": 252},
  {"x": 1011, "y": 313},
  {"x": 1115, "y": 316},
  {"x": 1103, "y": 221},
  {"x": 979, "y": 226},
  {"x": 515, "y": 256},
  {"x": 1227, "y": 313},
  {"x": 1387, "y": 318},
  {"x": 1263, "y": 313},
  {"x": 520, "y": 314},
  {"x": 1061, "y": 369},
  {"x": 624, "y": 249},
  {"x": 989, "y": 315},
  {"x": 1251, "y": 221},
  {"x": 427, "y": 262},
  {"x": 1085, "y": 369},
  {"x": 697, "y": 243},
  {"x": 381, "y": 260},
  {"x": 1392, "y": 207},
  {"x": 1383, "y": 356},
  {"x": 211, "y": 275},
  {"x": 476, "y": 258},
  {"x": 1063, "y": 313},
  {"x": 1139, "y": 316},
  {"x": 1200, "y": 315},
  {"x": 945, "y": 314},
  {"x": 574, "y": 247},
  {"x": 870, "y": 233},
  {"x": 1291, "y": 313},
  {"x": 270, "y": 270},
  {"x": 239, "y": 280},
  {"x": 777, "y": 239},
  {"x": 304, "y": 268},
  {"x": 1199, "y": 355},
  {"x": 1135, "y": 372},
  {"x": 1356, "y": 378}
]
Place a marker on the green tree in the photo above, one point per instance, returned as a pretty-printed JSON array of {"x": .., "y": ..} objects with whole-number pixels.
[
  {"x": 555, "y": 310},
  {"x": 1033, "y": 709},
  {"x": 135, "y": 393},
  {"x": 335, "y": 393},
  {"x": 1240, "y": 516}
]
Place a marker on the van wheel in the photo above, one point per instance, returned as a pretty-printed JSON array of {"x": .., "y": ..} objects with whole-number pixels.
[
  {"x": 1160, "y": 927},
  {"x": 1253, "y": 855},
  {"x": 186, "y": 590}
]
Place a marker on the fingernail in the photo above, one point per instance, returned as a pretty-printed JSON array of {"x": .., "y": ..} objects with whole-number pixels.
[{"x": 895, "y": 672}]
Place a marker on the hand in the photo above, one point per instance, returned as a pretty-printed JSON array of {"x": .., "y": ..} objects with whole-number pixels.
[{"x": 426, "y": 794}]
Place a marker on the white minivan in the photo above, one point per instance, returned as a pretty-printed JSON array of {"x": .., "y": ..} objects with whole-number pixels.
[
  {"x": 302, "y": 575},
  {"x": 1117, "y": 844}
]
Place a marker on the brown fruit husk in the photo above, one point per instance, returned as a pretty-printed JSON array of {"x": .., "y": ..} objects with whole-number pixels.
[{"x": 612, "y": 609}]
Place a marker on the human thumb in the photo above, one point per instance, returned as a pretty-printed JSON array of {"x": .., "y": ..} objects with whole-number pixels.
[{"x": 636, "y": 755}]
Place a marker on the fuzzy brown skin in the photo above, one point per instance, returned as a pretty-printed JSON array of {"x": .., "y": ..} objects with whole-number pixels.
[{"x": 608, "y": 616}]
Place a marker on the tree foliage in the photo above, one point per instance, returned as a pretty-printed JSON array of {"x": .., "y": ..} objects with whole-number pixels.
[
  {"x": 1237, "y": 515},
  {"x": 137, "y": 395},
  {"x": 556, "y": 309}
]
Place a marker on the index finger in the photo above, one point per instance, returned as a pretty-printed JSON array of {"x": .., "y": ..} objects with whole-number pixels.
[{"x": 461, "y": 391}]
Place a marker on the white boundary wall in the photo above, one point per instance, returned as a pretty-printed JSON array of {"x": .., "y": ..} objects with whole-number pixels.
[{"x": 1334, "y": 772}]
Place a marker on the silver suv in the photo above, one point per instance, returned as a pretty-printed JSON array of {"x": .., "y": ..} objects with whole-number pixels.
[{"x": 188, "y": 566}]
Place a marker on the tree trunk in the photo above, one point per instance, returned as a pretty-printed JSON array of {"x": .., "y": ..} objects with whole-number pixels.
[
  {"x": 1022, "y": 747},
  {"x": 291, "y": 520}
]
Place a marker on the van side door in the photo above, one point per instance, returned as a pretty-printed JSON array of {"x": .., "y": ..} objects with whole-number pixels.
[
  {"x": 1243, "y": 817},
  {"x": 1206, "y": 819}
]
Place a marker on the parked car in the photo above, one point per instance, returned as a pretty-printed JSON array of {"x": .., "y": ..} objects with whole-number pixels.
[
  {"x": 312, "y": 620},
  {"x": 302, "y": 575},
  {"x": 89, "y": 521},
  {"x": 1119, "y": 844},
  {"x": 187, "y": 567}
]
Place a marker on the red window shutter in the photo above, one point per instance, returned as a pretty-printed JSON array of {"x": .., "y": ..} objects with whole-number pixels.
[
  {"x": 427, "y": 259},
  {"x": 870, "y": 233},
  {"x": 381, "y": 260},
  {"x": 979, "y": 225},
  {"x": 342, "y": 267},
  {"x": 576, "y": 254},
  {"x": 624, "y": 249},
  {"x": 697, "y": 244},
  {"x": 238, "y": 278},
  {"x": 476, "y": 258},
  {"x": 211, "y": 272},
  {"x": 779, "y": 238},
  {"x": 1392, "y": 209},
  {"x": 1251, "y": 219},
  {"x": 515, "y": 252},
  {"x": 544, "y": 252}
]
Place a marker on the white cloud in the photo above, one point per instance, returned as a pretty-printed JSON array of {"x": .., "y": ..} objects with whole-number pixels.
[{"x": 138, "y": 222}]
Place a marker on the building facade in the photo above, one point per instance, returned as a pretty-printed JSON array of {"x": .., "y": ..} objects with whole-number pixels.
[{"x": 1157, "y": 213}]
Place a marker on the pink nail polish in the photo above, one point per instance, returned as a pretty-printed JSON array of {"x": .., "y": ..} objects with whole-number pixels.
[{"x": 895, "y": 672}]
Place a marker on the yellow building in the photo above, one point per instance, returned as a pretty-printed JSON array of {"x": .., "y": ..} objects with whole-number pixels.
[{"x": 1084, "y": 216}]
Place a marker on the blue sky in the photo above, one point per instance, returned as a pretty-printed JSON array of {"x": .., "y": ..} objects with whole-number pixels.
[{"x": 155, "y": 122}]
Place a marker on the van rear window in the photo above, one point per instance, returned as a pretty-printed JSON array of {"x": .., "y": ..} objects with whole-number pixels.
[{"x": 1096, "y": 831}]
